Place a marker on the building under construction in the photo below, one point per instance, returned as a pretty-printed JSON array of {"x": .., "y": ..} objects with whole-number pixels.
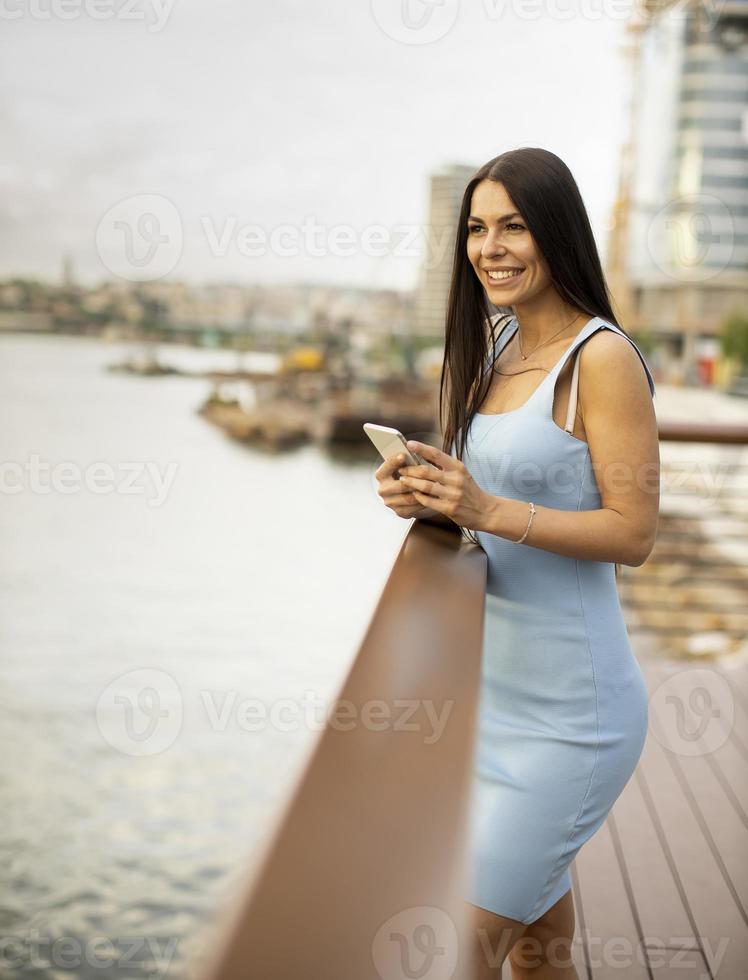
[{"x": 678, "y": 253}]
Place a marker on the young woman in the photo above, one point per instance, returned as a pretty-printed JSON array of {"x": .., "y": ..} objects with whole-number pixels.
[{"x": 550, "y": 456}]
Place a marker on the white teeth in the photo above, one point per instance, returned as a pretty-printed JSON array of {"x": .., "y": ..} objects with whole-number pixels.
[{"x": 504, "y": 275}]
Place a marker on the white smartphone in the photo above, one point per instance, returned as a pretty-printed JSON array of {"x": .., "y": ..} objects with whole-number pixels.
[{"x": 391, "y": 442}]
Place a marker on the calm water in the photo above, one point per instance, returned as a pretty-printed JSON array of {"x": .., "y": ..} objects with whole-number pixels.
[{"x": 156, "y": 576}]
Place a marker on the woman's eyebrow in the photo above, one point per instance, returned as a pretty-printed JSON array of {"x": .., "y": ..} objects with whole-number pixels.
[{"x": 503, "y": 217}]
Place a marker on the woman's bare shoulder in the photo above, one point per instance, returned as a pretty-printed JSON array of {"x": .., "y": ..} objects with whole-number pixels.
[
  {"x": 609, "y": 356},
  {"x": 612, "y": 378}
]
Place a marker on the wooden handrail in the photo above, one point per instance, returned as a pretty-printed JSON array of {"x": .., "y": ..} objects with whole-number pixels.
[
  {"x": 366, "y": 862},
  {"x": 716, "y": 432}
]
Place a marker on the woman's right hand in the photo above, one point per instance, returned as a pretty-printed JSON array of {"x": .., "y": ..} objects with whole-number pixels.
[{"x": 393, "y": 493}]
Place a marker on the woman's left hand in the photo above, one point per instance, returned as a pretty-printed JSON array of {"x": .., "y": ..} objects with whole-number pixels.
[{"x": 445, "y": 484}]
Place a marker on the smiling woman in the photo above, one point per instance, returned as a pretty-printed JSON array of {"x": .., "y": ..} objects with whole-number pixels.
[{"x": 557, "y": 478}]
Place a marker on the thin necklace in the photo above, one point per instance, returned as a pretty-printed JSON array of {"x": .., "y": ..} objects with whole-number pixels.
[{"x": 519, "y": 339}]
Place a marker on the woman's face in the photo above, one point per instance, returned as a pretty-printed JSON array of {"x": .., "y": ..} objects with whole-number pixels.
[{"x": 498, "y": 239}]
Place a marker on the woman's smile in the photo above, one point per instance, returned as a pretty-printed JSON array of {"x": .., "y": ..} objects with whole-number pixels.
[{"x": 503, "y": 279}]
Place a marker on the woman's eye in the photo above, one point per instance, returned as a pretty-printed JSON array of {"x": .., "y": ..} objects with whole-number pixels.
[{"x": 474, "y": 228}]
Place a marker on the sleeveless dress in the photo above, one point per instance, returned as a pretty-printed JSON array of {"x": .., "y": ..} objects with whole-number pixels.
[{"x": 563, "y": 708}]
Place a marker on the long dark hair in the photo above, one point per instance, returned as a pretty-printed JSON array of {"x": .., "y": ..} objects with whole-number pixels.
[{"x": 544, "y": 191}]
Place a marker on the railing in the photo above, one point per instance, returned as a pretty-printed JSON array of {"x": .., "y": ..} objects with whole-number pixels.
[
  {"x": 366, "y": 859},
  {"x": 711, "y": 432},
  {"x": 368, "y": 852},
  {"x": 691, "y": 595}
]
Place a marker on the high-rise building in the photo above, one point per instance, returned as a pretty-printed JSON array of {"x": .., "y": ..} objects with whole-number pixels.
[
  {"x": 446, "y": 189},
  {"x": 68, "y": 271},
  {"x": 687, "y": 204}
]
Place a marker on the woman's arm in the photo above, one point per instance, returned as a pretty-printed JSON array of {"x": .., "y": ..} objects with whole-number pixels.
[{"x": 621, "y": 430}]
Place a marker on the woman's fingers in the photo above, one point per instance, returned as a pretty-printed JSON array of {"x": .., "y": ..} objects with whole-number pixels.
[
  {"x": 394, "y": 495},
  {"x": 391, "y": 489},
  {"x": 432, "y": 487},
  {"x": 397, "y": 498},
  {"x": 439, "y": 469},
  {"x": 388, "y": 467},
  {"x": 401, "y": 500},
  {"x": 433, "y": 455}
]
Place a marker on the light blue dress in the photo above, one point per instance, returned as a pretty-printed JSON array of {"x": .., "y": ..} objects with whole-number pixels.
[{"x": 563, "y": 703}]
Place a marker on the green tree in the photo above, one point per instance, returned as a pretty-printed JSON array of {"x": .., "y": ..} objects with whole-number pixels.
[
  {"x": 644, "y": 340},
  {"x": 734, "y": 338}
]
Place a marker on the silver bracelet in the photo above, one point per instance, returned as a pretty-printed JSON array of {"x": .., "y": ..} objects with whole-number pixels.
[{"x": 532, "y": 514}]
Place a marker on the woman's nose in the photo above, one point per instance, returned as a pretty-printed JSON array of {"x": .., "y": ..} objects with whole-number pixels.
[
  {"x": 493, "y": 248},
  {"x": 491, "y": 245}
]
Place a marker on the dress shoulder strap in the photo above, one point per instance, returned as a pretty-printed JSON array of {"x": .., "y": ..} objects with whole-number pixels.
[
  {"x": 571, "y": 414},
  {"x": 572, "y": 410}
]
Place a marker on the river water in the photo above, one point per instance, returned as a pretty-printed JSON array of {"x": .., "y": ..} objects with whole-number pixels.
[{"x": 159, "y": 581}]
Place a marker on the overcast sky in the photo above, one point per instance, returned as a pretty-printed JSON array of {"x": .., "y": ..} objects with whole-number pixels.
[{"x": 206, "y": 117}]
